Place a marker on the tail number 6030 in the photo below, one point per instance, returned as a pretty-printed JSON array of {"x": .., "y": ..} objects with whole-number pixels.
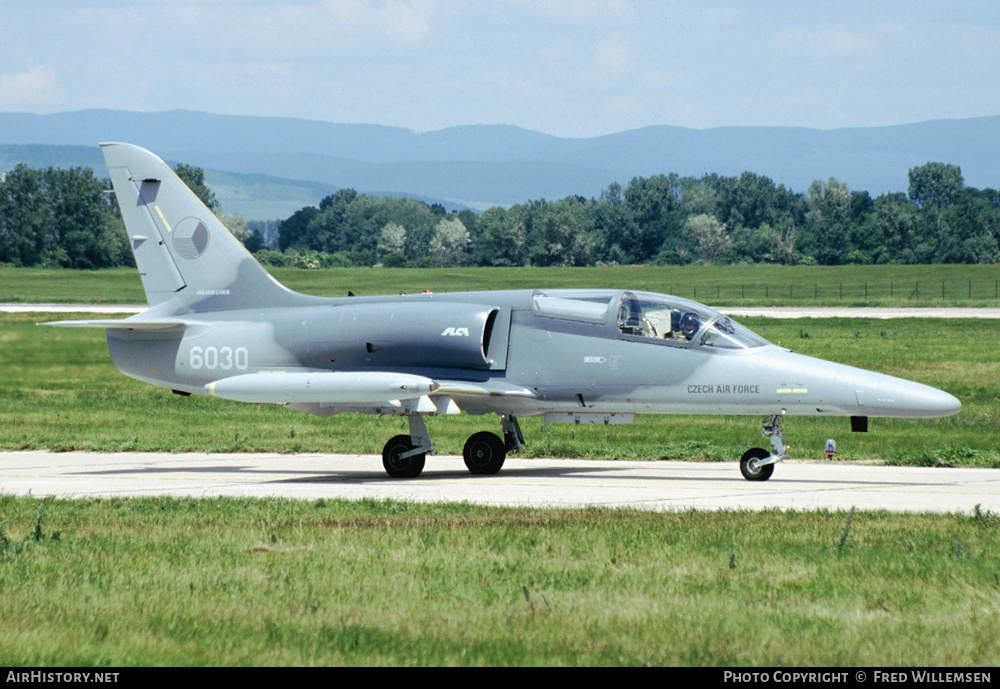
[{"x": 225, "y": 358}]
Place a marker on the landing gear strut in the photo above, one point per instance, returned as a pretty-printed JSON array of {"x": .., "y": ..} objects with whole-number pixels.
[
  {"x": 513, "y": 439},
  {"x": 484, "y": 453},
  {"x": 757, "y": 464}
]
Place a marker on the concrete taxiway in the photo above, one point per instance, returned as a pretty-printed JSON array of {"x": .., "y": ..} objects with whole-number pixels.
[{"x": 655, "y": 486}]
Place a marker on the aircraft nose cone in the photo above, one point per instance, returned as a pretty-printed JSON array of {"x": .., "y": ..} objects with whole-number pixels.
[{"x": 914, "y": 399}]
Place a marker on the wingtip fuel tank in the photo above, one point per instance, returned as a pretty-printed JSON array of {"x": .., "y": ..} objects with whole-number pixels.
[{"x": 345, "y": 387}]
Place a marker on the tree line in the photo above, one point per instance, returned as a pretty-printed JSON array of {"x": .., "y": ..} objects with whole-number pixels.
[
  {"x": 665, "y": 219},
  {"x": 56, "y": 217},
  {"x": 69, "y": 218},
  {"x": 64, "y": 217}
]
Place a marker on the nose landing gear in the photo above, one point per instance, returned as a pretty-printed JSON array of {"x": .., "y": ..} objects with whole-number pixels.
[{"x": 757, "y": 464}]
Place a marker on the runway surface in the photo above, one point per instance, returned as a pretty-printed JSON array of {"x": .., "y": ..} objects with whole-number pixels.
[{"x": 655, "y": 486}]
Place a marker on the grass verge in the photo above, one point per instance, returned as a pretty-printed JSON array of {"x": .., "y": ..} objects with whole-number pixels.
[
  {"x": 164, "y": 581},
  {"x": 898, "y": 286}
]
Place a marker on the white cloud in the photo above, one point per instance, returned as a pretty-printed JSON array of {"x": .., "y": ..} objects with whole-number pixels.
[
  {"x": 31, "y": 88},
  {"x": 828, "y": 41},
  {"x": 404, "y": 22},
  {"x": 613, "y": 56},
  {"x": 579, "y": 12},
  {"x": 408, "y": 22}
]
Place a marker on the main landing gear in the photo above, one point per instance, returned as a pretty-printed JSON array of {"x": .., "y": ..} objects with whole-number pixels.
[
  {"x": 757, "y": 464},
  {"x": 484, "y": 453}
]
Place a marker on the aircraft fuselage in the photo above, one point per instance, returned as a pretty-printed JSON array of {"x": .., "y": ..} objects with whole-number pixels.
[{"x": 569, "y": 362}]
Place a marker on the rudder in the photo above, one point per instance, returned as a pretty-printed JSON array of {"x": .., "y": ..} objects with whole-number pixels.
[{"x": 183, "y": 253}]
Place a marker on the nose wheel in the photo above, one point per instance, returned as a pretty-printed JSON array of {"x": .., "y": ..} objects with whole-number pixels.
[
  {"x": 757, "y": 464},
  {"x": 751, "y": 466}
]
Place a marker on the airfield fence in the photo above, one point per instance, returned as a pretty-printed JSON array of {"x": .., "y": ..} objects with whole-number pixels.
[{"x": 903, "y": 292}]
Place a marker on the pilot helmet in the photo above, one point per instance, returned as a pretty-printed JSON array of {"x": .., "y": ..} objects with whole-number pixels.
[{"x": 689, "y": 325}]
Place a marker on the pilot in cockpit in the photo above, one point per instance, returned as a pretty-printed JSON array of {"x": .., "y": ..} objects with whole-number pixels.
[
  {"x": 656, "y": 320},
  {"x": 689, "y": 325},
  {"x": 684, "y": 324}
]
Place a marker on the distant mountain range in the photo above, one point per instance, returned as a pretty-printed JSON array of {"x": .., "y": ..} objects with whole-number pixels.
[{"x": 267, "y": 167}]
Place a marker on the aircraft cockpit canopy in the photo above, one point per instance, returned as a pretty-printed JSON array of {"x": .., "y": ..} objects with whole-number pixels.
[
  {"x": 649, "y": 316},
  {"x": 679, "y": 321}
]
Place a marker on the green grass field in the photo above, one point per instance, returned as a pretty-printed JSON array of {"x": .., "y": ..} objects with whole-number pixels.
[
  {"x": 937, "y": 285},
  {"x": 277, "y": 582}
]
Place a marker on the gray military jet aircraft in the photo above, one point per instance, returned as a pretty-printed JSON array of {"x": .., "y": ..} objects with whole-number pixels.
[{"x": 220, "y": 325}]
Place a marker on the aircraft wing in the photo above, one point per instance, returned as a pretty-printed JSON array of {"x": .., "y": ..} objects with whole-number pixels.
[
  {"x": 350, "y": 387},
  {"x": 490, "y": 389},
  {"x": 366, "y": 392}
]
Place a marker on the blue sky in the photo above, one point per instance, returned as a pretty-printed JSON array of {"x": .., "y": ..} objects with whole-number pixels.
[{"x": 569, "y": 68}]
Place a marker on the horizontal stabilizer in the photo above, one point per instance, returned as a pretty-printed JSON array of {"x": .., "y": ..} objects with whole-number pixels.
[{"x": 119, "y": 324}]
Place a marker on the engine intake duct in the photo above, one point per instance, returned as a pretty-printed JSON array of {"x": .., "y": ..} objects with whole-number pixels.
[{"x": 432, "y": 335}]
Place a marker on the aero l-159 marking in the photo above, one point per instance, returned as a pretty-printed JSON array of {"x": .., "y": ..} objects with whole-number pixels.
[{"x": 219, "y": 324}]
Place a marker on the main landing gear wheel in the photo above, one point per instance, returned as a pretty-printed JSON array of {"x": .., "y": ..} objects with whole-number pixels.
[
  {"x": 751, "y": 470},
  {"x": 484, "y": 453},
  {"x": 397, "y": 467}
]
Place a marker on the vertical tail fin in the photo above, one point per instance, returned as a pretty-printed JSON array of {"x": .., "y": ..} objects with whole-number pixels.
[{"x": 184, "y": 254}]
